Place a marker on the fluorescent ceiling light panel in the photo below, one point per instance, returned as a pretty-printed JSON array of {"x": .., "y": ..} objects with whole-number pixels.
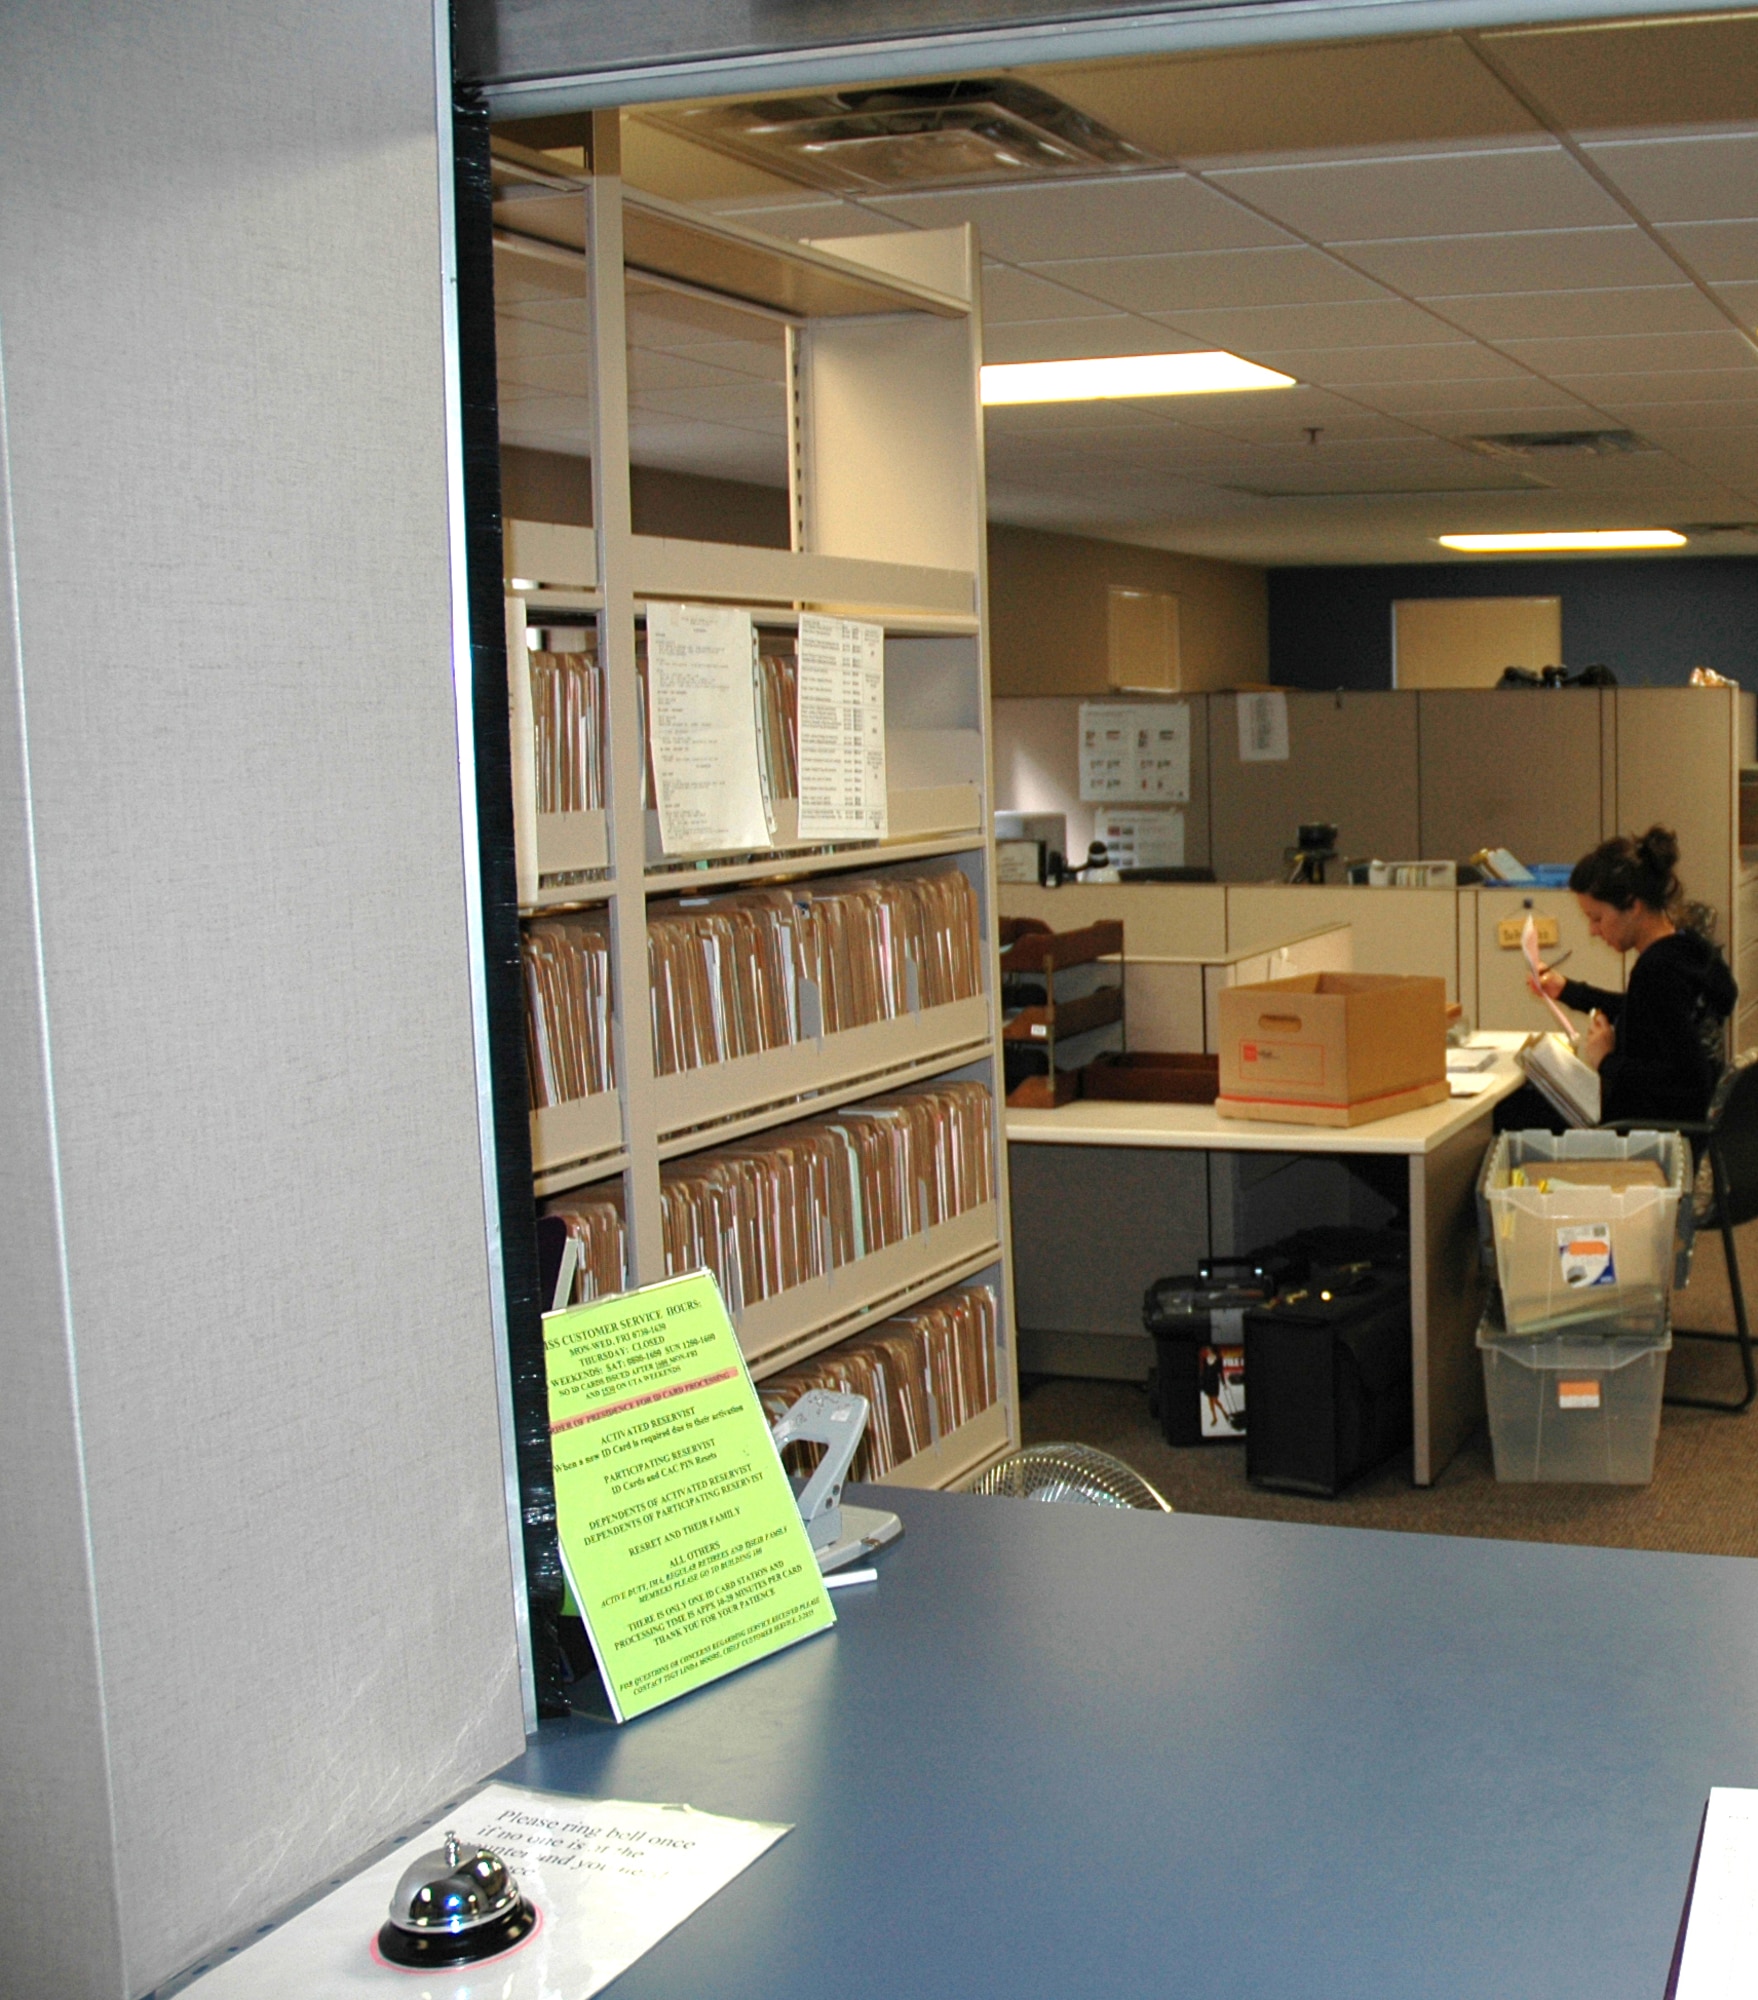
[
  {"x": 1125, "y": 375},
  {"x": 1587, "y": 538}
]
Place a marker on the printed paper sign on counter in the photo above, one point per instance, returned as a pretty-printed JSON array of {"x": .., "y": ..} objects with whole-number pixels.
[
  {"x": 609, "y": 1879},
  {"x": 680, "y": 1535},
  {"x": 842, "y": 729},
  {"x": 702, "y": 724}
]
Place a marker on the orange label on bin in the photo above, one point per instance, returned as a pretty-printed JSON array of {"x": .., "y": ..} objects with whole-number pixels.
[
  {"x": 1578, "y": 1395},
  {"x": 1283, "y": 1062}
]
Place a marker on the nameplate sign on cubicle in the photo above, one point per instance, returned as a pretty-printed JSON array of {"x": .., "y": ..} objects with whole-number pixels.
[{"x": 680, "y": 1535}]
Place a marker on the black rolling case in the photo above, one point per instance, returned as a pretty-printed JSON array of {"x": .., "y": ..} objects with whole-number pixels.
[
  {"x": 1198, "y": 1325},
  {"x": 1329, "y": 1368}
]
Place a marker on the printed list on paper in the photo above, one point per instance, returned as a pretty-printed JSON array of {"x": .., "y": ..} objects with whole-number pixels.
[
  {"x": 842, "y": 729},
  {"x": 609, "y": 1878},
  {"x": 702, "y": 708}
]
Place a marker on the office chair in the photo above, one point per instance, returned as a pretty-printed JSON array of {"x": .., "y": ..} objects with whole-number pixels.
[
  {"x": 1729, "y": 1136},
  {"x": 1071, "y": 1472}
]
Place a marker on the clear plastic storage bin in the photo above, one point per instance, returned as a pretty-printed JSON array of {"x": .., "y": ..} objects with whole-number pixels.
[
  {"x": 1576, "y": 1407},
  {"x": 1583, "y": 1255}
]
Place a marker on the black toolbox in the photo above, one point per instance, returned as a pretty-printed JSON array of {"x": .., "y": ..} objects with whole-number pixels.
[
  {"x": 1198, "y": 1326},
  {"x": 1329, "y": 1367}
]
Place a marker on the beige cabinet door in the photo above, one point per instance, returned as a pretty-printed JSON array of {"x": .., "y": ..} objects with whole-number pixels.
[{"x": 1465, "y": 642}]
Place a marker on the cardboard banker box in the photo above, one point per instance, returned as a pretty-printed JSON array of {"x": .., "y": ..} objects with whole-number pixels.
[{"x": 1332, "y": 1048}]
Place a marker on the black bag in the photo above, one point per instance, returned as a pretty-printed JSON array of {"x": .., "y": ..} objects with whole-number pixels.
[
  {"x": 1329, "y": 1367},
  {"x": 1198, "y": 1325}
]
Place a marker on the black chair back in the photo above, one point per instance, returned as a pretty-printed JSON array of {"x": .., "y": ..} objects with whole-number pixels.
[{"x": 1735, "y": 1143}]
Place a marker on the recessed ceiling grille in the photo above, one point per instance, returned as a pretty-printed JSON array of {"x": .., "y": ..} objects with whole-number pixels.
[
  {"x": 980, "y": 129},
  {"x": 1529, "y": 444}
]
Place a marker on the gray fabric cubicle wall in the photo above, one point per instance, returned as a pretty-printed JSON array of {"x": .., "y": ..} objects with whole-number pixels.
[{"x": 256, "y": 1596}]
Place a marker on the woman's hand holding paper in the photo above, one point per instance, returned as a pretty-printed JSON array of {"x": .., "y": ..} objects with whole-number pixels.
[{"x": 1601, "y": 1038}]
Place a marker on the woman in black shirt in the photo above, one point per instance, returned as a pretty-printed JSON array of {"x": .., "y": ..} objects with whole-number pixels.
[{"x": 1656, "y": 1045}]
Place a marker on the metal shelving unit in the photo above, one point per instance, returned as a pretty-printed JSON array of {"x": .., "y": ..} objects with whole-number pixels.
[{"x": 883, "y": 343}]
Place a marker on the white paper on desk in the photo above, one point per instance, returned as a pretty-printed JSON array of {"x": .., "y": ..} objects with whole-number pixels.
[
  {"x": 1463, "y": 1084},
  {"x": 609, "y": 1878},
  {"x": 1263, "y": 728},
  {"x": 1529, "y": 945},
  {"x": 1720, "y": 1959},
  {"x": 701, "y": 691},
  {"x": 842, "y": 729}
]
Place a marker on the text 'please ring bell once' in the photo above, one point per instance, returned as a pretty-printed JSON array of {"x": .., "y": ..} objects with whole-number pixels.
[{"x": 455, "y": 1905}]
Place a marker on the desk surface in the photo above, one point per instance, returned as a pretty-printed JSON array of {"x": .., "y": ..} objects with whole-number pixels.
[
  {"x": 1061, "y": 1753},
  {"x": 1200, "y": 1127}
]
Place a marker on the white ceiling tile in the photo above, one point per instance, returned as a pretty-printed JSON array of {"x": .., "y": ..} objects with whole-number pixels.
[
  {"x": 1622, "y": 354},
  {"x": 1741, "y": 299},
  {"x": 1704, "y": 179},
  {"x": 1563, "y": 414},
  {"x": 1366, "y": 323},
  {"x": 1499, "y": 393},
  {"x": 649, "y": 369},
  {"x": 1721, "y": 252},
  {"x": 1208, "y": 278},
  {"x": 533, "y": 420},
  {"x": 1347, "y": 367},
  {"x": 766, "y": 361},
  {"x": 554, "y": 374},
  {"x": 1529, "y": 260},
  {"x": 568, "y": 313},
  {"x": 1137, "y": 216},
  {"x": 1011, "y": 295},
  {"x": 740, "y": 406},
  {"x": 797, "y": 219},
  {"x": 1032, "y": 418},
  {"x": 530, "y": 337},
  {"x": 1629, "y": 395},
  {"x": 1505, "y": 316},
  {"x": 1083, "y": 339},
  {"x": 1456, "y": 194}
]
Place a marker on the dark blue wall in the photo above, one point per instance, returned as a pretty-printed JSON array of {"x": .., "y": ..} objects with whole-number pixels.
[{"x": 1650, "y": 621}]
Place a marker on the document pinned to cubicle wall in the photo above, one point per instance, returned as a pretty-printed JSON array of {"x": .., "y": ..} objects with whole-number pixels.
[
  {"x": 702, "y": 725},
  {"x": 1263, "y": 728},
  {"x": 1152, "y": 839},
  {"x": 1135, "y": 753},
  {"x": 842, "y": 729}
]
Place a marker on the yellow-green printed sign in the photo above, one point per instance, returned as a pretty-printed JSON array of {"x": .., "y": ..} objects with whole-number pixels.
[{"x": 680, "y": 1536}]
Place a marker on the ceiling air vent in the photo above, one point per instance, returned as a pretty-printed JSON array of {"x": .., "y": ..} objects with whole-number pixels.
[
  {"x": 979, "y": 129},
  {"x": 1533, "y": 444}
]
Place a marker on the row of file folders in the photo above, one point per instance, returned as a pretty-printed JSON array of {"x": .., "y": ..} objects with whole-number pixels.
[
  {"x": 568, "y": 718},
  {"x": 804, "y": 1201},
  {"x": 740, "y": 974},
  {"x": 925, "y": 1374}
]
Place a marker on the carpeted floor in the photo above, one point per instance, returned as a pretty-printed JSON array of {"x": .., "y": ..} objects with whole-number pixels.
[{"x": 1704, "y": 1499}]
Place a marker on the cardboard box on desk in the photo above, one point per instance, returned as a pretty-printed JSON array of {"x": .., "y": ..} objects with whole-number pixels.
[{"x": 1332, "y": 1048}]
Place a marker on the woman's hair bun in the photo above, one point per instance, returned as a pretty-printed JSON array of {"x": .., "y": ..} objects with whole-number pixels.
[
  {"x": 1629, "y": 870},
  {"x": 1658, "y": 851}
]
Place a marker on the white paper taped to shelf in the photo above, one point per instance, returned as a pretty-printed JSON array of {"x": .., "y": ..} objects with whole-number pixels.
[
  {"x": 609, "y": 1880},
  {"x": 701, "y": 691},
  {"x": 1143, "y": 839},
  {"x": 842, "y": 729},
  {"x": 1263, "y": 728},
  {"x": 1135, "y": 753}
]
